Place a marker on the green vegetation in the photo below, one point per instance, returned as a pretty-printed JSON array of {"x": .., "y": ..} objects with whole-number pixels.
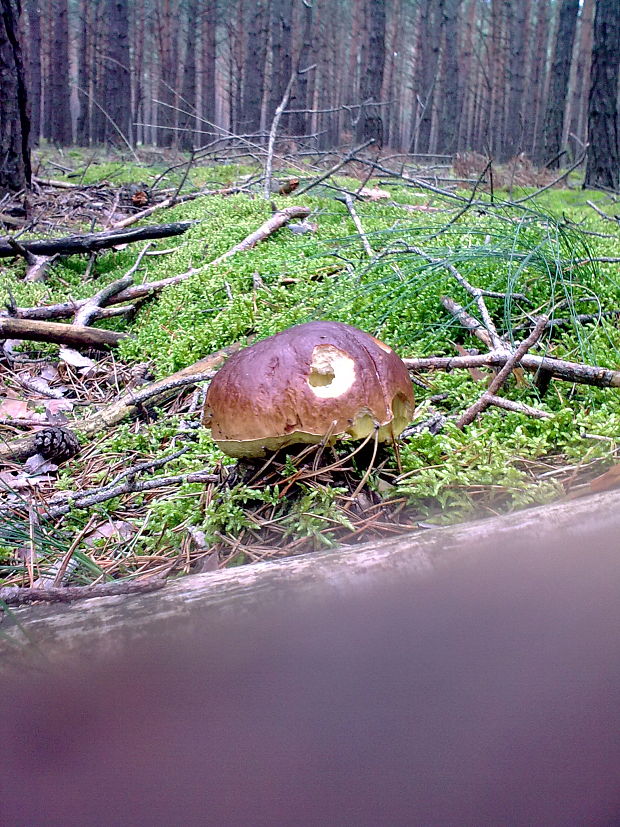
[{"x": 504, "y": 460}]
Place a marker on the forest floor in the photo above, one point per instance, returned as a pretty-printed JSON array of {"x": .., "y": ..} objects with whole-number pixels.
[{"x": 151, "y": 493}]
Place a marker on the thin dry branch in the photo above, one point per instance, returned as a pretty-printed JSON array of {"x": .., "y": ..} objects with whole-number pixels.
[
  {"x": 90, "y": 242},
  {"x": 476, "y": 292},
  {"x": 348, "y": 200},
  {"x": 137, "y": 291},
  {"x": 72, "y": 335},
  {"x": 350, "y": 156},
  {"x": 558, "y": 368},
  {"x": 19, "y": 595},
  {"x": 499, "y": 379}
]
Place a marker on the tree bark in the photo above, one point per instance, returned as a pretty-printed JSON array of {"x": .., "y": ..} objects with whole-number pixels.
[
  {"x": 58, "y": 90},
  {"x": 15, "y": 172},
  {"x": 558, "y": 83},
  {"x": 603, "y": 167},
  {"x": 119, "y": 128},
  {"x": 371, "y": 123},
  {"x": 187, "y": 117},
  {"x": 33, "y": 11}
]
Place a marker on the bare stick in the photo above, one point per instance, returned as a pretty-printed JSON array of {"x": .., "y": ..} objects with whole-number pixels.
[
  {"x": 137, "y": 291},
  {"x": 498, "y": 380},
  {"x": 18, "y": 596},
  {"x": 558, "y": 368},
  {"x": 606, "y": 216},
  {"x": 129, "y": 486},
  {"x": 90, "y": 242},
  {"x": 333, "y": 170},
  {"x": 358, "y": 224},
  {"x": 476, "y": 292},
  {"x": 272, "y": 136},
  {"x": 88, "y": 311},
  {"x": 518, "y": 407},
  {"x": 130, "y": 403},
  {"x": 72, "y": 335},
  {"x": 555, "y": 181}
]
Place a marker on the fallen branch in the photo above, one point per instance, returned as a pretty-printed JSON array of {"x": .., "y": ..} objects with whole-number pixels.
[
  {"x": 172, "y": 201},
  {"x": 90, "y": 242},
  {"x": 19, "y": 596},
  {"x": 348, "y": 200},
  {"x": 499, "y": 379},
  {"x": 89, "y": 310},
  {"x": 129, "y": 486},
  {"x": 518, "y": 407},
  {"x": 137, "y": 291},
  {"x": 333, "y": 170},
  {"x": 558, "y": 368},
  {"x": 72, "y": 335},
  {"x": 476, "y": 292}
]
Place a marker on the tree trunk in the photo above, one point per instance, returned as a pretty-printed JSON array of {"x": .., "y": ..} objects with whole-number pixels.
[
  {"x": 281, "y": 58},
  {"x": 370, "y": 124},
  {"x": 558, "y": 83},
  {"x": 118, "y": 97},
  {"x": 603, "y": 169},
  {"x": 84, "y": 69},
  {"x": 34, "y": 68},
  {"x": 58, "y": 87},
  {"x": 167, "y": 28},
  {"x": 187, "y": 117},
  {"x": 450, "y": 102},
  {"x": 578, "y": 126},
  {"x": 517, "y": 28},
  {"x": 207, "y": 65},
  {"x": 299, "y": 99},
  {"x": 14, "y": 121}
]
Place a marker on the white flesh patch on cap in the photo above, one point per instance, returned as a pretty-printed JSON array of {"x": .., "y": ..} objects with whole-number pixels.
[{"x": 332, "y": 372}]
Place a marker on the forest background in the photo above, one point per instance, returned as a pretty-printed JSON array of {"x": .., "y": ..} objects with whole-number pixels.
[{"x": 499, "y": 77}]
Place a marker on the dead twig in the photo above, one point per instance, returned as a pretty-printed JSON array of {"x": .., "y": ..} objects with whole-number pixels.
[
  {"x": 358, "y": 225},
  {"x": 558, "y": 368},
  {"x": 72, "y": 335},
  {"x": 498, "y": 380},
  {"x": 89, "y": 242},
  {"x": 19, "y": 596}
]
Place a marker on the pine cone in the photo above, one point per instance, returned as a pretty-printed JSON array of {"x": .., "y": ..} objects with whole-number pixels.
[{"x": 56, "y": 444}]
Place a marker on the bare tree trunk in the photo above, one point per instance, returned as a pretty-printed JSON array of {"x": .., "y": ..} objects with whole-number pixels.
[
  {"x": 118, "y": 82},
  {"x": 578, "y": 125},
  {"x": 34, "y": 68},
  {"x": 370, "y": 124},
  {"x": 450, "y": 102},
  {"x": 300, "y": 99},
  {"x": 84, "y": 69},
  {"x": 558, "y": 83},
  {"x": 14, "y": 121},
  {"x": 167, "y": 30},
  {"x": 518, "y": 32},
  {"x": 281, "y": 57},
  {"x": 187, "y": 118},
  {"x": 603, "y": 169},
  {"x": 207, "y": 65},
  {"x": 58, "y": 84}
]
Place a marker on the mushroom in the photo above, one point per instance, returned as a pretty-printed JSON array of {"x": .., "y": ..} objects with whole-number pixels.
[{"x": 312, "y": 380}]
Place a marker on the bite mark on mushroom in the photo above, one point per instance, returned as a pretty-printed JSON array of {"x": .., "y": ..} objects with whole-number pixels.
[{"x": 332, "y": 372}]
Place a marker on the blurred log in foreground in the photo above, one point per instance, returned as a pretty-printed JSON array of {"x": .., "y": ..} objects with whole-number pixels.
[{"x": 467, "y": 675}]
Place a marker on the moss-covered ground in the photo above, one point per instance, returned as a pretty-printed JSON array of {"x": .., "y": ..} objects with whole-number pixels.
[{"x": 546, "y": 248}]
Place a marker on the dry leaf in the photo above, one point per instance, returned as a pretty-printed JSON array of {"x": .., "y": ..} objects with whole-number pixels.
[
  {"x": 72, "y": 357},
  {"x": 37, "y": 464},
  {"x": 19, "y": 409}
]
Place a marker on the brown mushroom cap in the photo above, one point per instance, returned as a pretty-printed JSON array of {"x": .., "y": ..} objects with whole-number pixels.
[{"x": 308, "y": 381}]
